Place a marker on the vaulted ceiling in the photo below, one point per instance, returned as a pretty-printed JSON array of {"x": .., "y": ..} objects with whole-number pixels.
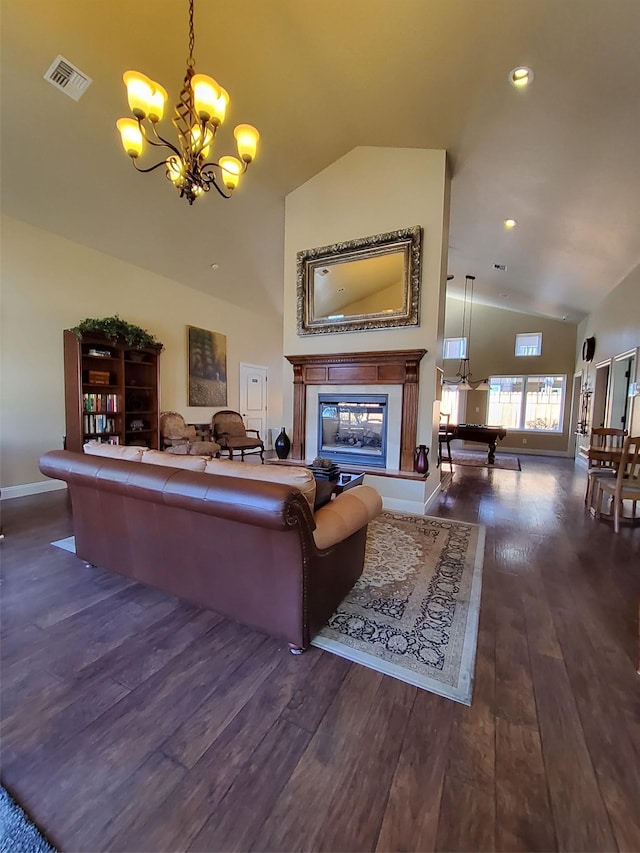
[{"x": 319, "y": 77}]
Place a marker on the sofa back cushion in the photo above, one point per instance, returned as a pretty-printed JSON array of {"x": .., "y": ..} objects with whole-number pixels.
[
  {"x": 114, "y": 451},
  {"x": 289, "y": 475},
  {"x": 170, "y": 460}
]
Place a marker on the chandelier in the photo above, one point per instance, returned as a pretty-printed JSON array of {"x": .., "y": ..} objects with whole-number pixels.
[
  {"x": 463, "y": 378},
  {"x": 198, "y": 115}
]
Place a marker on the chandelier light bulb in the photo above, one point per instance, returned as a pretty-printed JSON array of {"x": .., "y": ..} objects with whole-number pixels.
[
  {"x": 175, "y": 170},
  {"x": 159, "y": 98},
  {"x": 205, "y": 95},
  {"x": 131, "y": 136},
  {"x": 231, "y": 171},
  {"x": 220, "y": 108},
  {"x": 247, "y": 141},
  {"x": 139, "y": 93},
  {"x": 200, "y": 146}
]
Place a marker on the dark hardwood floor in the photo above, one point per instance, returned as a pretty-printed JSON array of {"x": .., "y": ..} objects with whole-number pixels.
[{"x": 133, "y": 721}]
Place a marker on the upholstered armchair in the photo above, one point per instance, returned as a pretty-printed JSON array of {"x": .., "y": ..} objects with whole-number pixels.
[
  {"x": 181, "y": 439},
  {"x": 229, "y": 431}
]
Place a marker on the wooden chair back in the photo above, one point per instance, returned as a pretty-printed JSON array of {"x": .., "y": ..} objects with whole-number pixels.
[
  {"x": 626, "y": 486},
  {"x": 629, "y": 470},
  {"x": 602, "y": 440}
]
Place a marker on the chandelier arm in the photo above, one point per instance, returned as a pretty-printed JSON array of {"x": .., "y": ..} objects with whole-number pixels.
[
  {"x": 162, "y": 142},
  {"x": 210, "y": 178},
  {"x": 151, "y": 168},
  {"x": 218, "y": 166},
  {"x": 214, "y": 184}
]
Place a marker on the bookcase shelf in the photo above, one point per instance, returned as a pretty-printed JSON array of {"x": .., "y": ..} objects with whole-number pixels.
[{"x": 111, "y": 390}]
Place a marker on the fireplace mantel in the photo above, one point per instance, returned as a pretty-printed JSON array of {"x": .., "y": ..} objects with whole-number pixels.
[{"x": 399, "y": 367}]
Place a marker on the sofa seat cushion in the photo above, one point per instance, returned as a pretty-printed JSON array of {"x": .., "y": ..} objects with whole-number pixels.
[
  {"x": 170, "y": 460},
  {"x": 114, "y": 451},
  {"x": 288, "y": 475},
  {"x": 346, "y": 514}
]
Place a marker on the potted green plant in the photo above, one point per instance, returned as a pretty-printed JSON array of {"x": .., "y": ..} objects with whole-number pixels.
[{"x": 115, "y": 330}]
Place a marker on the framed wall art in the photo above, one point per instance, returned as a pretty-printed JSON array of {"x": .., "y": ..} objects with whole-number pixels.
[{"x": 207, "y": 366}]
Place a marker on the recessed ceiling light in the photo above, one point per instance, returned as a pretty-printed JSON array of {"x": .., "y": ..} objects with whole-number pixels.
[
  {"x": 510, "y": 223},
  {"x": 521, "y": 77},
  {"x": 215, "y": 266}
]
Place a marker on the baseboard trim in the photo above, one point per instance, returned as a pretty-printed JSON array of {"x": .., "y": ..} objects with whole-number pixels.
[
  {"x": 26, "y": 489},
  {"x": 520, "y": 451}
]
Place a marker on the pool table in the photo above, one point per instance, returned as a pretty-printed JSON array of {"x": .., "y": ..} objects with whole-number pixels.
[{"x": 481, "y": 433}]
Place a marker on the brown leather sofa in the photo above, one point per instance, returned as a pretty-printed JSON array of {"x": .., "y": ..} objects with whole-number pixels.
[{"x": 251, "y": 550}]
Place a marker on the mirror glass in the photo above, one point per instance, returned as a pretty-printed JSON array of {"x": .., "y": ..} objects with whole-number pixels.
[{"x": 369, "y": 283}]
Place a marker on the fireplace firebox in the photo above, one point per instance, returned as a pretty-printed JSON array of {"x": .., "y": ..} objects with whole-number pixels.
[{"x": 352, "y": 428}]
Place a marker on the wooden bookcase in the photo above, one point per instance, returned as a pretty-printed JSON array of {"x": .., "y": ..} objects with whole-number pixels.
[{"x": 111, "y": 392}]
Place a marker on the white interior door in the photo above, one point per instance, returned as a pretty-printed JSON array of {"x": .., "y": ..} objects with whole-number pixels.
[{"x": 253, "y": 398}]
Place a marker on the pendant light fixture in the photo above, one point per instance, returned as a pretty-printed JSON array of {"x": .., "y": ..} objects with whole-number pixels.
[
  {"x": 198, "y": 115},
  {"x": 463, "y": 376}
]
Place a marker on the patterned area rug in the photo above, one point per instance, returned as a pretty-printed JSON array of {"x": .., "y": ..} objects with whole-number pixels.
[
  {"x": 414, "y": 612},
  {"x": 478, "y": 459}
]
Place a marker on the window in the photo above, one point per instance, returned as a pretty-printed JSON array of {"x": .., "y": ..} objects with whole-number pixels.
[
  {"x": 450, "y": 403},
  {"x": 455, "y": 348},
  {"x": 529, "y": 344},
  {"x": 529, "y": 403}
]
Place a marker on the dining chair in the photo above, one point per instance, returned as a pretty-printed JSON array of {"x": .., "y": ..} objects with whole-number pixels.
[
  {"x": 444, "y": 438},
  {"x": 626, "y": 486},
  {"x": 605, "y": 447}
]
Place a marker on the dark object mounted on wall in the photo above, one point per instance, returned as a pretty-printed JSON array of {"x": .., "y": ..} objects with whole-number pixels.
[{"x": 588, "y": 349}]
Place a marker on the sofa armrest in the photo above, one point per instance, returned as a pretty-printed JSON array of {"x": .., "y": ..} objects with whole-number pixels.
[{"x": 346, "y": 514}]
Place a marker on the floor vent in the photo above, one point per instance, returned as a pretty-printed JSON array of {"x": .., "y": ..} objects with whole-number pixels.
[{"x": 65, "y": 76}]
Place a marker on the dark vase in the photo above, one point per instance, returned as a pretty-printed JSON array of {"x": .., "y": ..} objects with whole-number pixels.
[
  {"x": 421, "y": 461},
  {"x": 282, "y": 444}
]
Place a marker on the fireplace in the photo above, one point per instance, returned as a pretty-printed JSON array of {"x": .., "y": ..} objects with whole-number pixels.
[
  {"x": 352, "y": 428},
  {"x": 397, "y": 369}
]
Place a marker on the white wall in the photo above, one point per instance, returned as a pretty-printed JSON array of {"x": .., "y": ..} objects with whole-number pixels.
[
  {"x": 50, "y": 284},
  {"x": 615, "y": 324},
  {"x": 372, "y": 191}
]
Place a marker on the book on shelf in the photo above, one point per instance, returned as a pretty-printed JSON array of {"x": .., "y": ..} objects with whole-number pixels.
[
  {"x": 100, "y": 402},
  {"x": 98, "y": 424}
]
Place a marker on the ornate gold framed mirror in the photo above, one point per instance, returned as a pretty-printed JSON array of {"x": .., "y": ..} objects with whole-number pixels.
[{"x": 363, "y": 284}]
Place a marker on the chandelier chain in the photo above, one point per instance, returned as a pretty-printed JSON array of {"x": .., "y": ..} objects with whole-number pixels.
[{"x": 192, "y": 38}]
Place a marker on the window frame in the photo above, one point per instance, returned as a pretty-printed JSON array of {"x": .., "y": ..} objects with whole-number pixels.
[
  {"x": 464, "y": 348},
  {"x": 524, "y": 379},
  {"x": 537, "y": 354}
]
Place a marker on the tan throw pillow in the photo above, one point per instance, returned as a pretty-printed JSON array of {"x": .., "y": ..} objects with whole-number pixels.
[
  {"x": 115, "y": 451},
  {"x": 170, "y": 460},
  {"x": 288, "y": 475}
]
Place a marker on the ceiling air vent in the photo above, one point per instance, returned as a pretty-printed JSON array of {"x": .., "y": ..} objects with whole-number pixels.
[{"x": 65, "y": 76}]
